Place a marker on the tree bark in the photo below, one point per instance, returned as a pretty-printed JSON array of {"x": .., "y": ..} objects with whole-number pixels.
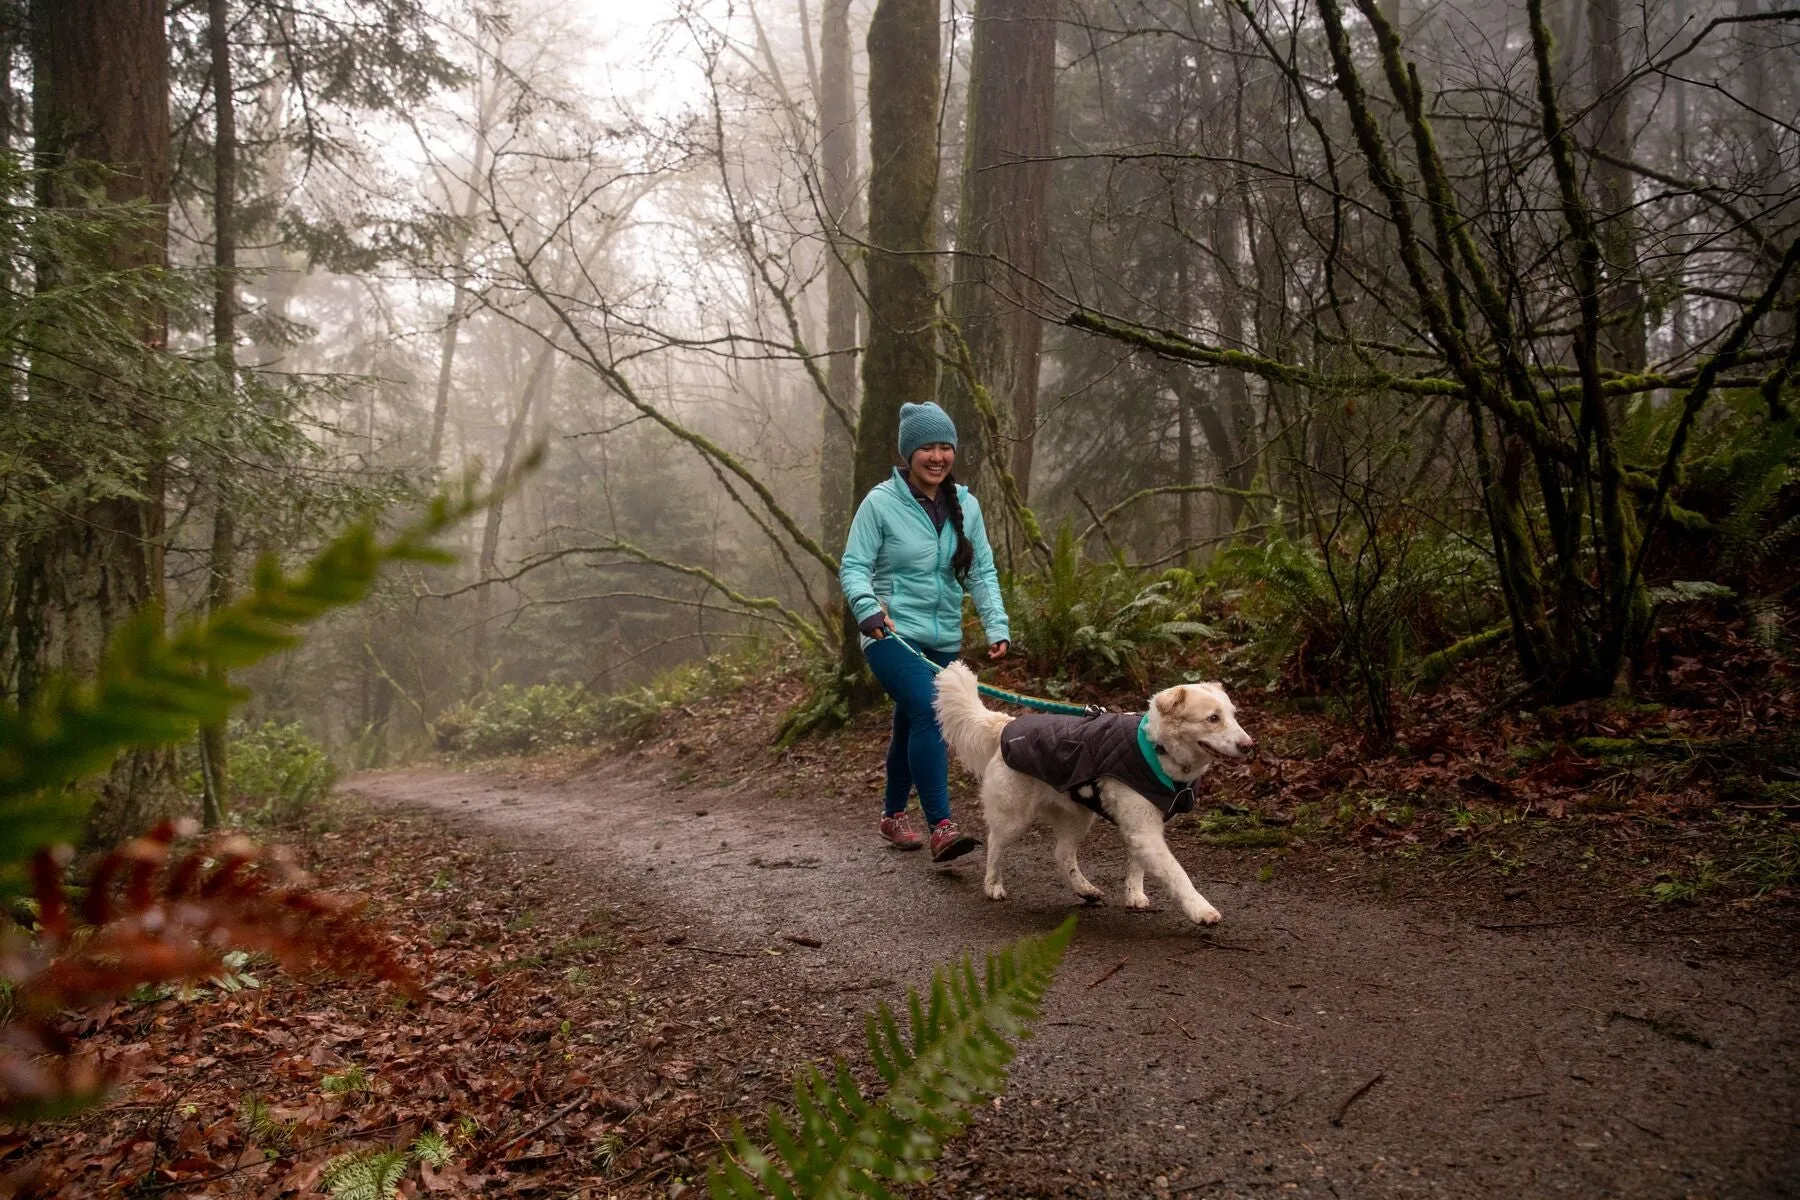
[
  {"x": 843, "y": 216},
  {"x": 215, "y": 756},
  {"x": 1003, "y": 223},
  {"x": 900, "y": 360},
  {"x": 538, "y": 382},
  {"x": 900, "y": 363},
  {"x": 1622, "y": 342},
  {"x": 100, "y": 94},
  {"x": 487, "y": 95}
]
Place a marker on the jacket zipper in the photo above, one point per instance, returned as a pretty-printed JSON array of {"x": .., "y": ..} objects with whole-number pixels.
[{"x": 937, "y": 625}]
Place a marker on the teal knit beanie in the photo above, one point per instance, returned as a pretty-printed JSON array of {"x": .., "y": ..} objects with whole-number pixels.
[{"x": 921, "y": 425}]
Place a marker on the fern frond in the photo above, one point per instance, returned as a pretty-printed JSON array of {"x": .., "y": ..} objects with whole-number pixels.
[
  {"x": 140, "y": 924},
  {"x": 154, "y": 687},
  {"x": 371, "y": 1175},
  {"x": 432, "y": 1149},
  {"x": 260, "y": 1124},
  {"x": 955, "y": 1050}
]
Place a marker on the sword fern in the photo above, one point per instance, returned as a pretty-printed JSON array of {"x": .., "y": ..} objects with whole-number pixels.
[{"x": 842, "y": 1144}]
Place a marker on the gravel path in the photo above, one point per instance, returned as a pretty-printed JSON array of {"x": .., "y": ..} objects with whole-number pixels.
[{"x": 1307, "y": 1046}]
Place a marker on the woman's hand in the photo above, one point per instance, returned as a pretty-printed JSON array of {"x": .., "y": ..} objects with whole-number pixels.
[
  {"x": 876, "y": 626},
  {"x": 999, "y": 649}
]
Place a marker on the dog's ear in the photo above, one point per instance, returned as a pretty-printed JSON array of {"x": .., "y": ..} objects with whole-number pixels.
[{"x": 1169, "y": 701}]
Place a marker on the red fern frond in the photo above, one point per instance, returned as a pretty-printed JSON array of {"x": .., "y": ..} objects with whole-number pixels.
[{"x": 150, "y": 921}]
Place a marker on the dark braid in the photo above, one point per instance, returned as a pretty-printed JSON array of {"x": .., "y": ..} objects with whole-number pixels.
[{"x": 964, "y": 558}]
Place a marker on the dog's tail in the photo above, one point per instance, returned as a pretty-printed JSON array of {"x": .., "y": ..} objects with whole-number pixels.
[{"x": 971, "y": 728}]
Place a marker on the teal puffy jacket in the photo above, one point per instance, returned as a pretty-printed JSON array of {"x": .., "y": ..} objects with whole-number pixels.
[{"x": 898, "y": 560}]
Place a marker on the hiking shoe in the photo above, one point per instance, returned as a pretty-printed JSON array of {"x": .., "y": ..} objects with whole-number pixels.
[
  {"x": 898, "y": 829},
  {"x": 948, "y": 842}
]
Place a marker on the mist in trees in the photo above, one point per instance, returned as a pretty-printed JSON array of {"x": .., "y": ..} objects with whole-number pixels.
[{"x": 1485, "y": 311}]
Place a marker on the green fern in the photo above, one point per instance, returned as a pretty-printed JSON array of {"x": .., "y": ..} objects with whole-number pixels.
[
  {"x": 154, "y": 688},
  {"x": 844, "y": 1145},
  {"x": 432, "y": 1149},
  {"x": 370, "y": 1175},
  {"x": 260, "y": 1124},
  {"x": 352, "y": 1080}
]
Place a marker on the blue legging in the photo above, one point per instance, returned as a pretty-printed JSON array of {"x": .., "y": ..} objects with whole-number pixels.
[{"x": 917, "y": 756}]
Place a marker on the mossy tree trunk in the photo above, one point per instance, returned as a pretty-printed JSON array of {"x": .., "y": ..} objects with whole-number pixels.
[{"x": 100, "y": 102}]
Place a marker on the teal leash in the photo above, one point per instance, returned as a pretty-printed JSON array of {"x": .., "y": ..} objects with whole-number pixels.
[{"x": 1035, "y": 703}]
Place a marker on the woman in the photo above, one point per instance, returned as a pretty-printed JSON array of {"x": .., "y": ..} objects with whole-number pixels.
[{"x": 916, "y": 545}]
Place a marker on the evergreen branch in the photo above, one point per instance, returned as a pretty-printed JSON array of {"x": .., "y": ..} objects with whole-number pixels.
[
  {"x": 841, "y": 1144},
  {"x": 153, "y": 687}
]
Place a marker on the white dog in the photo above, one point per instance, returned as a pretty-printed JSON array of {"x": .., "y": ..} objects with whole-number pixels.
[{"x": 1137, "y": 771}]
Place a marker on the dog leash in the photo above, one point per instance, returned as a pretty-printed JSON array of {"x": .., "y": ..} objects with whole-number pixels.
[{"x": 1035, "y": 703}]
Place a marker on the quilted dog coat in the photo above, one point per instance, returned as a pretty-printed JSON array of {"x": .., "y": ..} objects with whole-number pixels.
[{"x": 1073, "y": 754}]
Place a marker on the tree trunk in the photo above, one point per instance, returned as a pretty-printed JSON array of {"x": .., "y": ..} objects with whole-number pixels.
[
  {"x": 843, "y": 216},
  {"x": 900, "y": 361},
  {"x": 489, "y": 562},
  {"x": 1622, "y": 304},
  {"x": 1184, "y": 473},
  {"x": 1203, "y": 409},
  {"x": 486, "y": 99},
  {"x": 215, "y": 751},
  {"x": 101, "y": 96},
  {"x": 1003, "y": 224}
]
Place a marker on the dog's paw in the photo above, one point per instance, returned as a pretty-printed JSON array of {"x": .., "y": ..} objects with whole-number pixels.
[
  {"x": 1204, "y": 914},
  {"x": 1094, "y": 898},
  {"x": 1139, "y": 902},
  {"x": 995, "y": 891}
]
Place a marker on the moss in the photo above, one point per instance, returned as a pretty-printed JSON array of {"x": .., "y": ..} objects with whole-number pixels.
[
  {"x": 1781, "y": 792},
  {"x": 1608, "y": 747},
  {"x": 1531, "y": 752},
  {"x": 1243, "y": 830},
  {"x": 1248, "y": 839}
]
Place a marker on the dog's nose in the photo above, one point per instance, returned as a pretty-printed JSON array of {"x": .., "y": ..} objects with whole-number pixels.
[{"x": 1246, "y": 745}]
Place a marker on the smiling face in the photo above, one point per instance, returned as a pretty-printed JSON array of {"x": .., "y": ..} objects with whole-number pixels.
[
  {"x": 1194, "y": 723},
  {"x": 930, "y": 465}
]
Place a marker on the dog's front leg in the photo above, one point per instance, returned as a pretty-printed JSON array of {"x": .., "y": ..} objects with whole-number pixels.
[
  {"x": 1142, "y": 825},
  {"x": 1134, "y": 881}
]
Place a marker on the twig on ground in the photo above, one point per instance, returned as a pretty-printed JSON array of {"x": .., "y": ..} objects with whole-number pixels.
[
  {"x": 546, "y": 1123},
  {"x": 1272, "y": 1020},
  {"x": 1110, "y": 972},
  {"x": 1358, "y": 1094},
  {"x": 802, "y": 939},
  {"x": 714, "y": 950},
  {"x": 1520, "y": 1096}
]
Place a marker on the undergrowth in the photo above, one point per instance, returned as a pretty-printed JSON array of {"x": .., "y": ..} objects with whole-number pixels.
[{"x": 555, "y": 716}]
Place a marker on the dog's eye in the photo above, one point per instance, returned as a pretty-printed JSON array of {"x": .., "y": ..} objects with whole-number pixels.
[{"x": 1213, "y": 719}]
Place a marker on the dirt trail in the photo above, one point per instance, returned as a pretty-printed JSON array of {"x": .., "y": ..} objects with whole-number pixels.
[{"x": 1307, "y": 1046}]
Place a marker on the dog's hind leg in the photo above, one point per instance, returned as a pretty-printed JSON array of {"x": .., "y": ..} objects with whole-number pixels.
[
  {"x": 1142, "y": 825},
  {"x": 1007, "y": 805},
  {"x": 1071, "y": 824}
]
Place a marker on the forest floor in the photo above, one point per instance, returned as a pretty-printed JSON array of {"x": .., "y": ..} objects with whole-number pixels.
[{"x": 625, "y": 952}]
